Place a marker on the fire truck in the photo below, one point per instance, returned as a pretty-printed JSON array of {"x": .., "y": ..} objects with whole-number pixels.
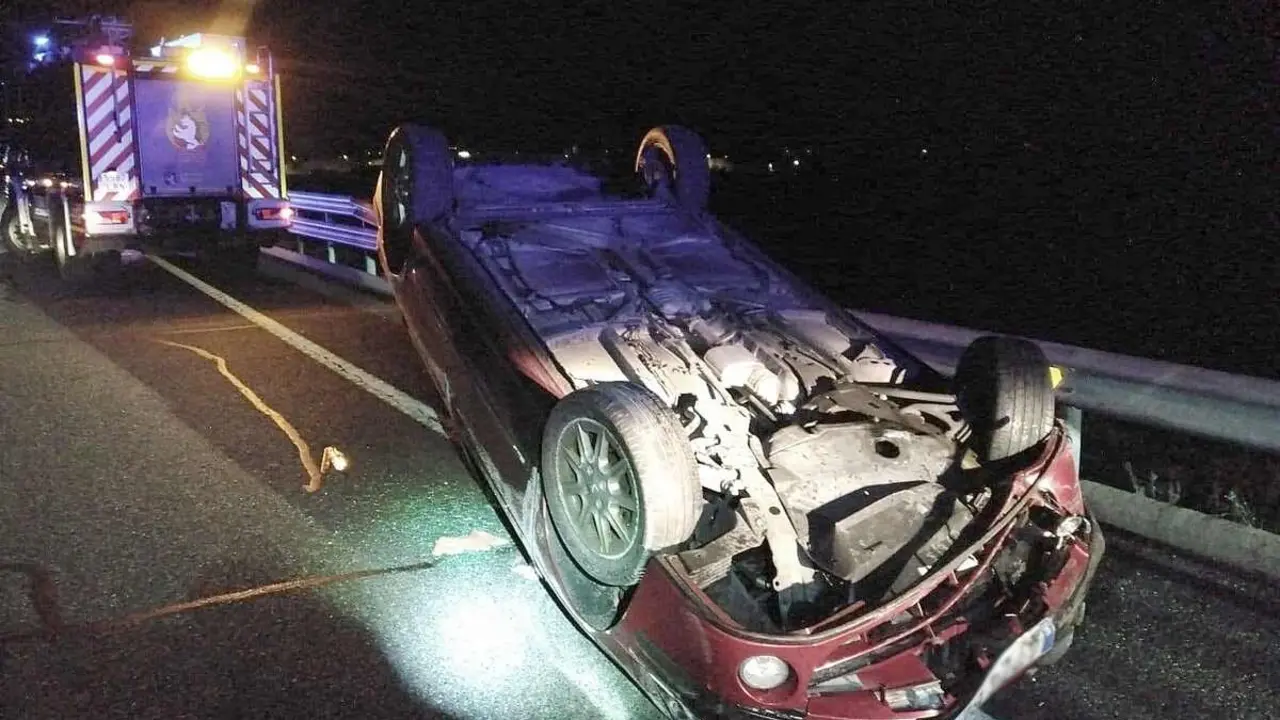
[{"x": 175, "y": 149}]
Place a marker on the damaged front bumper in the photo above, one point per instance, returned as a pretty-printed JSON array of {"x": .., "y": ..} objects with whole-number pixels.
[{"x": 932, "y": 660}]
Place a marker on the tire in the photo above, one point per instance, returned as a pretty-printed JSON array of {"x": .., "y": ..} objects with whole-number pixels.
[
  {"x": 649, "y": 502},
  {"x": 673, "y": 159},
  {"x": 1003, "y": 388},
  {"x": 415, "y": 187},
  {"x": 10, "y": 239}
]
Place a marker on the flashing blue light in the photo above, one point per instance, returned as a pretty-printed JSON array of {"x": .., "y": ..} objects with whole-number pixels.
[{"x": 41, "y": 41}]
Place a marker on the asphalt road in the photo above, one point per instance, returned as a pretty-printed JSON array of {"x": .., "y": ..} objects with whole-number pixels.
[{"x": 134, "y": 474}]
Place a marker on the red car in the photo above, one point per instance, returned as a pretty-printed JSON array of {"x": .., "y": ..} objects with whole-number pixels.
[{"x": 753, "y": 503}]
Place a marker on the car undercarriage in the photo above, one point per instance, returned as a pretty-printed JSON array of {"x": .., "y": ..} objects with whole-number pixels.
[
  {"x": 806, "y": 431},
  {"x": 679, "y": 425}
]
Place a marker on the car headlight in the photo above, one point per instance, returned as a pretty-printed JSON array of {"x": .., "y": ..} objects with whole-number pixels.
[{"x": 764, "y": 672}]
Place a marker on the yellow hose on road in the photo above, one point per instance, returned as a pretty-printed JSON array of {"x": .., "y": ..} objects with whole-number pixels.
[{"x": 331, "y": 458}]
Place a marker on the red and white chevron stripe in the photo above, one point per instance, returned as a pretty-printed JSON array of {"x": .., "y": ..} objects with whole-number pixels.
[
  {"x": 259, "y": 169},
  {"x": 108, "y": 116}
]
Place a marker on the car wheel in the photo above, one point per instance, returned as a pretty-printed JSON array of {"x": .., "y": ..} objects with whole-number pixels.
[
  {"x": 11, "y": 232},
  {"x": 1005, "y": 393},
  {"x": 672, "y": 160},
  {"x": 415, "y": 187},
  {"x": 621, "y": 481}
]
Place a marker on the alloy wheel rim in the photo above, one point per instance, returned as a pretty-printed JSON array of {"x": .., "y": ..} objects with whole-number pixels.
[{"x": 597, "y": 489}]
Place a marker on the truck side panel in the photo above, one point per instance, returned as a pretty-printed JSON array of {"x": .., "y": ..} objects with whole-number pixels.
[
  {"x": 106, "y": 106},
  {"x": 187, "y": 138},
  {"x": 259, "y": 143}
]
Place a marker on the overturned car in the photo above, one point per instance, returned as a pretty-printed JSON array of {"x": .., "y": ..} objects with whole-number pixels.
[{"x": 754, "y": 503}]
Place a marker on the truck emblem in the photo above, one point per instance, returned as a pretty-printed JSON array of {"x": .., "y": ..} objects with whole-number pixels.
[{"x": 188, "y": 129}]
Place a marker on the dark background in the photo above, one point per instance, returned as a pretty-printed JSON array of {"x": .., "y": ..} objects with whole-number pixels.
[{"x": 1100, "y": 174}]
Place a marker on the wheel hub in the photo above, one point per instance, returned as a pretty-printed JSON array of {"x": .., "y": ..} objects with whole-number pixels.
[{"x": 598, "y": 489}]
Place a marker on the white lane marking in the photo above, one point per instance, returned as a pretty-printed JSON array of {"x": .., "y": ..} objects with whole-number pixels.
[
  {"x": 477, "y": 541},
  {"x": 976, "y": 714},
  {"x": 417, "y": 410}
]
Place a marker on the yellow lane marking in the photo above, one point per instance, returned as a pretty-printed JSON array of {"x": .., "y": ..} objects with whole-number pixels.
[
  {"x": 211, "y": 329},
  {"x": 331, "y": 458},
  {"x": 419, "y": 411}
]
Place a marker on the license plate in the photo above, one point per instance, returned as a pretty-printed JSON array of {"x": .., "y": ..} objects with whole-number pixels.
[
  {"x": 113, "y": 182},
  {"x": 1022, "y": 654}
]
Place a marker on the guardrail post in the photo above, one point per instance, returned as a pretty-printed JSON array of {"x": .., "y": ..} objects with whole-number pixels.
[
  {"x": 370, "y": 265},
  {"x": 333, "y": 255}
]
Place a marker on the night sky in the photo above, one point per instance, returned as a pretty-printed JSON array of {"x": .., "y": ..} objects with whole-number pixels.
[
  {"x": 867, "y": 77},
  {"x": 1104, "y": 158}
]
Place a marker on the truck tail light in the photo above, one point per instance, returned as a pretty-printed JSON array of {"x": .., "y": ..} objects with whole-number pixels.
[
  {"x": 274, "y": 213},
  {"x": 107, "y": 217}
]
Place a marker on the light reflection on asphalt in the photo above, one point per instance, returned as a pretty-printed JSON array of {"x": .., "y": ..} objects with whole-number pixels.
[{"x": 474, "y": 636}]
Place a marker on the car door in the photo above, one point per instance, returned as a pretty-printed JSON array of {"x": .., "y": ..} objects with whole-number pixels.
[{"x": 481, "y": 356}]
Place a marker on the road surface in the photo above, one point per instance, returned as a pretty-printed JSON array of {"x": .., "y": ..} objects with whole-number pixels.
[{"x": 136, "y": 473}]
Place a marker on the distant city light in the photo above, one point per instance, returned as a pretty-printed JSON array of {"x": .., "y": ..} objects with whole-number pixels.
[
  {"x": 41, "y": 41},
  {"x": 770, "y": 167},
  {"x": 464, "y": 154},
  {"x": 795, "y": 163},
  {"x": 924, "y": 151}
]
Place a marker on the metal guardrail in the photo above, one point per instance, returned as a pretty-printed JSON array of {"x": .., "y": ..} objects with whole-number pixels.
[
  {"x": 334, "y": 219},
  {"x": 1233, "y": 408}
]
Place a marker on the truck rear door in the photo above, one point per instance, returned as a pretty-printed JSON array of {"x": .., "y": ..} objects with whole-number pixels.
[{"x": 187, "y": 134}]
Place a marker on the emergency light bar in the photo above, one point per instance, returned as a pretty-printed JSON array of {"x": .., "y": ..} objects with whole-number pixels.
[{"x": 213, "y": 63}]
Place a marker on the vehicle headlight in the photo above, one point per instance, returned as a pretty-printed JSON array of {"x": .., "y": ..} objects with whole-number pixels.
[{"x": 764, "y": 672}]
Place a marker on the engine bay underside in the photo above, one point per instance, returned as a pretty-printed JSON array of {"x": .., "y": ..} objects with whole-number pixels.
[{"x": 833, "y": 468}]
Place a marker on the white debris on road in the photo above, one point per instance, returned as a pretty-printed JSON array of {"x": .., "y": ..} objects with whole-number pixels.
[{"x": 477, "y": 541}]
